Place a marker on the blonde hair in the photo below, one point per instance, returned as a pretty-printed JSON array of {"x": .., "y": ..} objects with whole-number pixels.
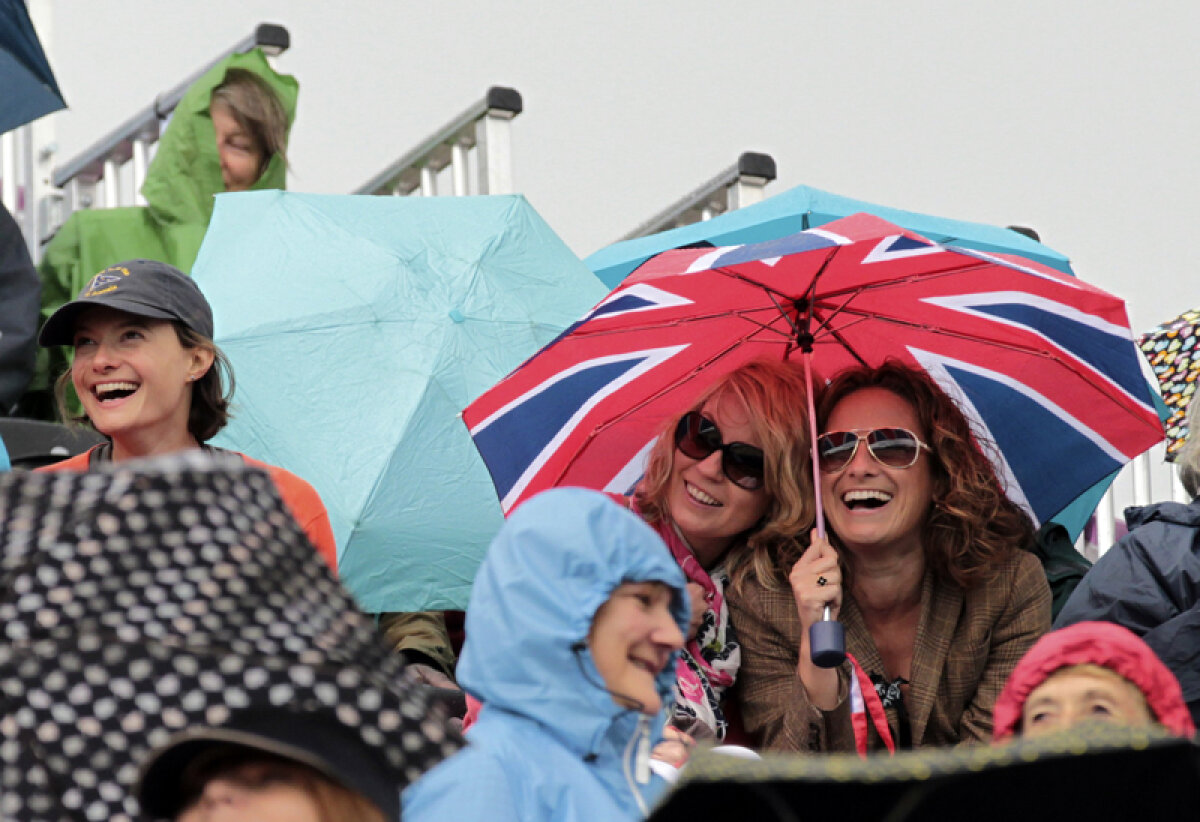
[
  {"x": 1187, "y": 459},
  {"x": 773, "y": 396}
]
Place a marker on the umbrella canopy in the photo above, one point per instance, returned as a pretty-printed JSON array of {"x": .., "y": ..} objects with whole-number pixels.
[
  {"x": 1043, "y": 366},
  {"x": 358, "y": 327},
  {"x": 159, "y": 596},
  {"x": 30, "y": 89},
  {"x": 1174, "y": 357},
  {"x": 1090, "y": 772},
  {"x": 801, "y": 208}
]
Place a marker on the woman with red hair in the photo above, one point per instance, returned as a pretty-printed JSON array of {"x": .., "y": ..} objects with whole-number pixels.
[{"x": 923, "y": 566}]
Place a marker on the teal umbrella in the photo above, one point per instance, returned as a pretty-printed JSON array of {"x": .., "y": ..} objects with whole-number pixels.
[
  {"x": 801, "y": 208},
  {"x": 358, "y": 328}
]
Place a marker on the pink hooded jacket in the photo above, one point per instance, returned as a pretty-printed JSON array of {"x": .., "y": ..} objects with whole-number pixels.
[{"x": 1097, "y": 643}]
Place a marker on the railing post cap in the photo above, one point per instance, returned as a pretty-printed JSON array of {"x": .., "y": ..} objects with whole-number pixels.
[
  {"x": 753, "y": 164},
  {"x": 504, "y": 99},
  {"x": 272, "y": 38}
]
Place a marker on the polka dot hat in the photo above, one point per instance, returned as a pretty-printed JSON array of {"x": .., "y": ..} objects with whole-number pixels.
[{"x": 153, "y": 597}]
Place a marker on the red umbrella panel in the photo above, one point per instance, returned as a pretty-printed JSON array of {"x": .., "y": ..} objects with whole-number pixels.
[{"x": 1043, "y": 365}]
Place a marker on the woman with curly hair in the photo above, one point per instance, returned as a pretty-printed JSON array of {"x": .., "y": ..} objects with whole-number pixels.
[
  {"x": 726, "y": 488},
  {"x": 923, "y": 567}
]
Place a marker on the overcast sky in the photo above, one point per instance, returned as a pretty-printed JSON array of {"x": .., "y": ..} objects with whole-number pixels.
[{"x": 1077, "y": 118}]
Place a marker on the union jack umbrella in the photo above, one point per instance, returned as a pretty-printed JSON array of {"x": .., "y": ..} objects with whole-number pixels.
[{"x": 1043, "y": 365}]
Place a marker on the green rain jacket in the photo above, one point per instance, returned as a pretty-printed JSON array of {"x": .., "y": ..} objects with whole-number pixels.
[{"x": 179, "y": 188}]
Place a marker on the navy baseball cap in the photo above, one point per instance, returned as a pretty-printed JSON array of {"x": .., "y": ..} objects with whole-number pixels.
[{"x": 146, "y": 288}]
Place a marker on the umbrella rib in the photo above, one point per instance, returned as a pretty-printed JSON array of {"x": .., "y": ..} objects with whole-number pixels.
[
  {"x": 908, "y": 279},
  {"x": 680, "y": 321},
  {"x": 863, "y": 316}
]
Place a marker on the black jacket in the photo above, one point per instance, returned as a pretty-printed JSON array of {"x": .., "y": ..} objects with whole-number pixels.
[
  {"x": 20, "y": 300},
  {"x": 1150, "y": 583}
]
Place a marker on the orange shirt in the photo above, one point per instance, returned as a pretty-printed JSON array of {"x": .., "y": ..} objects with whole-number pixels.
[{"x": 300, "y": 497}]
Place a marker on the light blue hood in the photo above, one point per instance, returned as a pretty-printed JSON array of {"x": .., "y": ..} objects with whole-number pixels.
[
  {"x": 550, "y": 745},
  {"x": 557, "y": 559}
]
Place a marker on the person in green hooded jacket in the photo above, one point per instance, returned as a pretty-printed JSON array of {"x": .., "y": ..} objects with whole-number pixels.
[{"x": 228, "y": 133}]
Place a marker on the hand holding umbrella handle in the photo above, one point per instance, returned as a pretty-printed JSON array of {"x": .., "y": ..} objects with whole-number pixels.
[{"x": 827, "y": 641}]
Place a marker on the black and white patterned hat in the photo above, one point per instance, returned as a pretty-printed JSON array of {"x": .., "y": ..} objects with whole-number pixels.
[{"x": 159, "y": 596}]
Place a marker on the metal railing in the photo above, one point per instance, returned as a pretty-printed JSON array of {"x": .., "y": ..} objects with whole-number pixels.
[
  {"x": 93, "y": 179},
  {"x": 736, "y": 187},
  {"x": 1148, "y": 478},
  {"x": 474, "y": 149}
]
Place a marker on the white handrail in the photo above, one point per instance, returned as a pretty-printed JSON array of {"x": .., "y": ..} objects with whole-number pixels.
[
  {"x": 738, "y": 186},
  {"x": 92, "y": 179},
  {"x": 482, "y": 131},
  {"x": 1134, "y": 486}
]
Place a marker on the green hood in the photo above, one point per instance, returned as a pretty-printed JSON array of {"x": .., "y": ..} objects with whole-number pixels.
[
  {"x": 186, "y": 172},
  {"x": 179, "y": 188}
]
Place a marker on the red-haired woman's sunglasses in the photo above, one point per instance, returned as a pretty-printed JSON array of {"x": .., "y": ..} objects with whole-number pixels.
[{"x": 893, "y": 447}]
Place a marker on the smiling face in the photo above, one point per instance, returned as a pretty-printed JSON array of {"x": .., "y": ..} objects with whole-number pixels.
[
  {"x": 240, "y": 154},
  {"x": 709, "y": 509},
  {"x": 1080, "y": 693},
  {"x": 632, "y": 637},
  {"x": 871, "y": 506},
  {"x": 134, "y": 379}
]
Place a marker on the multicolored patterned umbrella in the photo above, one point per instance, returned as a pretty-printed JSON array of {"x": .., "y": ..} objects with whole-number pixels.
[
  {"x": 1043, "y": 365},
  {"x": 1172, "y": 351}
]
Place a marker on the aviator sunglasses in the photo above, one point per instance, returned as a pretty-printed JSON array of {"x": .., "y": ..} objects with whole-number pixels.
[
  {"x": 697, "y": 437},
  {"x": 893, "y": 447}
]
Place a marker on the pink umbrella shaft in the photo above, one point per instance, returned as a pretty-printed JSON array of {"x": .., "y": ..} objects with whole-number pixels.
[{"x": 812, "y": 431}]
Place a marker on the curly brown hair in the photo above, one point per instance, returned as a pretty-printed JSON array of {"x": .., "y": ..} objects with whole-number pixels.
[
  {"x": 972, "y": 526},
  {"x": 773, "y": 395}
]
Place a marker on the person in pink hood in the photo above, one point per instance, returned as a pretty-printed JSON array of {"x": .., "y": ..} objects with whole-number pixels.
[{"x": 1089, "y": 671}]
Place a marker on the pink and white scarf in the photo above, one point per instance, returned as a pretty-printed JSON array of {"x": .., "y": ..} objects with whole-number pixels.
[{"x": 709, "y": 663}]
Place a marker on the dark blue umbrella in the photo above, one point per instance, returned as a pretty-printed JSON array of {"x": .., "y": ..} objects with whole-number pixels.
[{"x": 29, "y": 87}]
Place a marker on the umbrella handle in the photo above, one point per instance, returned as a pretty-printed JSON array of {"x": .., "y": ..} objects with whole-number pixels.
[{"x": 827, "y": 642}]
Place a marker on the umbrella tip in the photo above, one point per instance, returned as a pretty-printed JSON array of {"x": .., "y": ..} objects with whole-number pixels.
[{"x": 1027, "y": 231}]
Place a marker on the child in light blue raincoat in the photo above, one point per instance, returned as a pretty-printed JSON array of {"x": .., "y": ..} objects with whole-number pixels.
[{"x": 575, "y": 618}]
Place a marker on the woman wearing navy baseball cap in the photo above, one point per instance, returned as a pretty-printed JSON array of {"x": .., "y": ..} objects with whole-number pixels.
[{"x": 151, "y": 379}]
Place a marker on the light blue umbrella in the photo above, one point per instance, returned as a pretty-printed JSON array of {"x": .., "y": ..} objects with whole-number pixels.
[
  {"x": 358, "y": 328},
  {"x": 801, "y": 208}
]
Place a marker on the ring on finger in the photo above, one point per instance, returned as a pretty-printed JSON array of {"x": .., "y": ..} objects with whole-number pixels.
[{"x": 822, "y": 581}]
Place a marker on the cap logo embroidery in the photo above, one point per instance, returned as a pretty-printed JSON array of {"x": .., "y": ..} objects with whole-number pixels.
[{"x": 106, "y": 281}]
